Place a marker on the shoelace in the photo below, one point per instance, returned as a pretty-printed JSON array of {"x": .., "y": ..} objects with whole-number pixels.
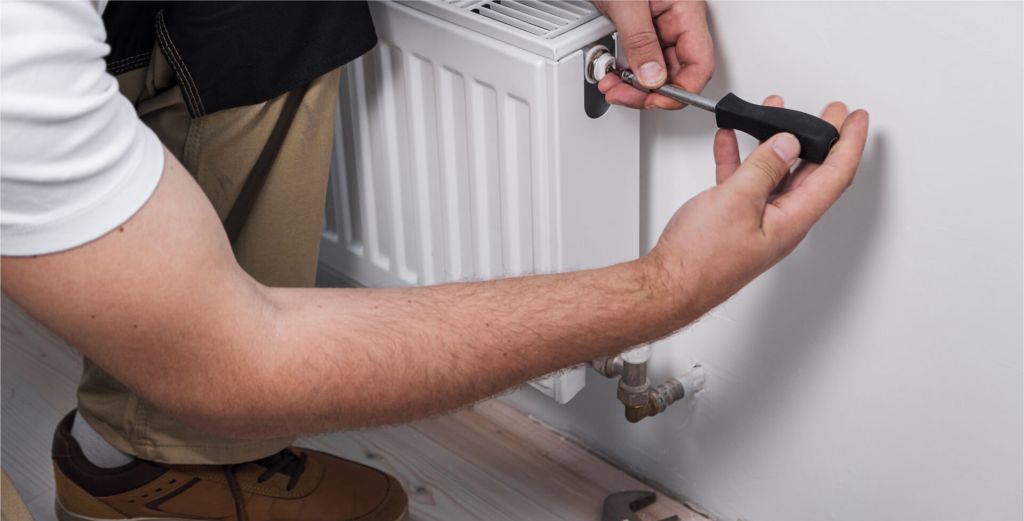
[{"x": 285, "y": 462}]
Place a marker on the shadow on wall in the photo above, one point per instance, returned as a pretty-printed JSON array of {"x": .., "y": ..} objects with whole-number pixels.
[{"x": 806, "y": 294}]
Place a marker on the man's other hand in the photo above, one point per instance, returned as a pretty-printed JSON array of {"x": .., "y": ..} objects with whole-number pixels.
[
  {"x": 664, "y": 40},
  {"x": 757, "y": 214}
]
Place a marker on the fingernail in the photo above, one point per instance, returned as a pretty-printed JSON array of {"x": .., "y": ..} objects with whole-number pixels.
[
  {"x": 786, "y": 146},
  {"x": 651, "y": 74}
]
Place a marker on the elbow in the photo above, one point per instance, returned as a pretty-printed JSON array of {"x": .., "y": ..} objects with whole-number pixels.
[
  {"x": 222, "y": 410},
  {"x": 242, "y": 378},
  {"x": 227, "y": 391},
  {"x": 233, "y": 389}
]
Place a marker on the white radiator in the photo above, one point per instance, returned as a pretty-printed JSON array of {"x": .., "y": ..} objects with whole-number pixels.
[{"x": 463, "y": 151}]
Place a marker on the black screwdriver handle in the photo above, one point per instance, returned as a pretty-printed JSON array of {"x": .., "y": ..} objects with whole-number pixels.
[{"x": 816, "y": 135}]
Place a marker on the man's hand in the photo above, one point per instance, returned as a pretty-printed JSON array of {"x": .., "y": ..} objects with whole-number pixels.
[
  {"x": 655, "y": 34},
  {"x": 725, "y": 237}
]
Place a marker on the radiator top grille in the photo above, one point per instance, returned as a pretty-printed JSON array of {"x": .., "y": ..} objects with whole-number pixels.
[
  {"x": 544, "y": 19},
  {"x": 550, "y": 28}
]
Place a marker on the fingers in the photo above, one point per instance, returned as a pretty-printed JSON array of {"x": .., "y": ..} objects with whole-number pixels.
[
  {"x": 695, "y": 52},
  {"x": 617, "y": 92},
  {"x": 835, "y": 113},
  {"x": 664, "y": 102},
  {"x": 660, "y": 6},
  {"x": 726, "y": 148},
  {"x": 774, "y": 101},
  {"x": 765, "y": 167},
  {"x": 802, "y": 206},
  {"x": 727, "y": 155},
  {"x": 661, "y": 39},
  {"x": 689, "y": 52},
  {"x": 635, "y": 25}
]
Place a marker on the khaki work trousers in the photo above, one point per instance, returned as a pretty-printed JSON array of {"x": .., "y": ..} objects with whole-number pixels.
[{"x": 264, "y": 168}]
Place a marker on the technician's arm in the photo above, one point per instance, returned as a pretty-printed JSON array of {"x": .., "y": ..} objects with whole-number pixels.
[{"x": 161, "y": 304}]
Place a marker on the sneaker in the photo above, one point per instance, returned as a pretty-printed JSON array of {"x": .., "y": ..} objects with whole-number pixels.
[{"x": 293, "y": 485}]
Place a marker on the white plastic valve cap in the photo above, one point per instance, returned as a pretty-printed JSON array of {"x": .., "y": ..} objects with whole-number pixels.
[
  {"x": 693, "y": 380},
  {"x": 602, "y": 64}
]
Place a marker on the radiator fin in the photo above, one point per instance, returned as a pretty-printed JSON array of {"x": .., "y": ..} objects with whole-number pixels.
[
  {"x": 545, "y": 19},
  {"x": 464, "y": 202},
  {"x": 484, "y": 180},
  {"x": 454, "y": 175},
  {"x": 350, "y": 221},
  {"x": 423, "y": 143},
  {"x": 516, "y": 187},
  {"x": 392, "y": 196},
  {"x": 365, "y": 165}
]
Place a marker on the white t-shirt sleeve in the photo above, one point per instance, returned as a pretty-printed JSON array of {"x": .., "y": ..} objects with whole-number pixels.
[{"x": 75, "y": 161}]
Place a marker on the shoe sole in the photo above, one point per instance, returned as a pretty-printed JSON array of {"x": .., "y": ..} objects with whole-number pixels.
[{"x": 64, "y": 515}]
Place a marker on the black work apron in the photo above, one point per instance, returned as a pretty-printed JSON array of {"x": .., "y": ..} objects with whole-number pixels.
[{"x": 230, "y": 54}]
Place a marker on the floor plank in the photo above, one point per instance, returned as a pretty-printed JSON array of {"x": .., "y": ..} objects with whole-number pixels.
[{"x": 484, "y": 462}]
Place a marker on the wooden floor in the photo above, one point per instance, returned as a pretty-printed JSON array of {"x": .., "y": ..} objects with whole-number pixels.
[{"x": 487, "y": 462}]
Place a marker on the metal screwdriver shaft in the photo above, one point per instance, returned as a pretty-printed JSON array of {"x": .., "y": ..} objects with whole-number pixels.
[{"x": 669, "y": 90}]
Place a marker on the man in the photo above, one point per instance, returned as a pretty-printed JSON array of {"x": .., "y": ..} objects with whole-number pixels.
[{"x": 177, "y": 269}]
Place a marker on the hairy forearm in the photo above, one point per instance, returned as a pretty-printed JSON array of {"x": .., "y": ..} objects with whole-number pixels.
[
  {"x": 161, "y": 304},
  {"x": 356, "y": 357}
]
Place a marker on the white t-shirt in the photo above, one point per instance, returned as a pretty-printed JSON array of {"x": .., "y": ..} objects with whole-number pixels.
[{"x": 75, "y": 161}]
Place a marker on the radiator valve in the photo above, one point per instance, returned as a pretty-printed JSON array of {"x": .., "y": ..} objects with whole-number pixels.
[
  {"x": 638, "y": 396},
  {"x": 599, "y": 60},
  {"x": 675, "y": 389}
]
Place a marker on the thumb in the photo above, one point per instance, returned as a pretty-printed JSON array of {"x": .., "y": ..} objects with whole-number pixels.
[
  {"x": 635, "y": 25},
  {"x": 766, "y": 166}
]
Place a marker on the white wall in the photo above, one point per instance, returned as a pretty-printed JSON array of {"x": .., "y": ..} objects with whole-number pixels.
[{"x": 877, "y": 373}]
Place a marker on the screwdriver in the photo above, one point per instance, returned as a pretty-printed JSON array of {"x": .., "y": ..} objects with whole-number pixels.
[{"x": 816, "y": 135}]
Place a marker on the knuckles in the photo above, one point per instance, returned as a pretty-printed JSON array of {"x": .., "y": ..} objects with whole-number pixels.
[
  {"x": 772, "y": 171},
  {"x": 641, "y": 39}
]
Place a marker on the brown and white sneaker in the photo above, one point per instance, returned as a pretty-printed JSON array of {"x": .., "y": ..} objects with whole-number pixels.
[{"x": 293, "y": 485}]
